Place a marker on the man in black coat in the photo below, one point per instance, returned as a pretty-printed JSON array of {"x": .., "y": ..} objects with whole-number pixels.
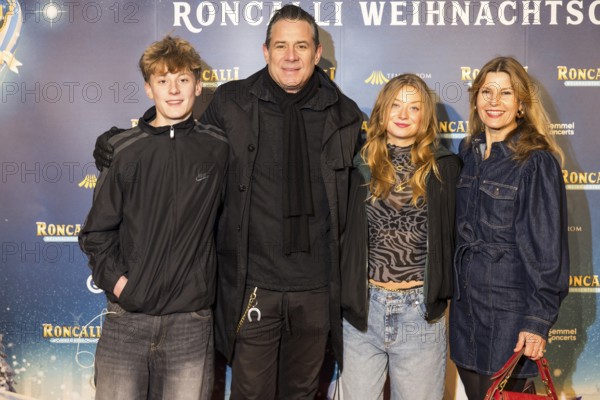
[{"x": 293, "y": 136}]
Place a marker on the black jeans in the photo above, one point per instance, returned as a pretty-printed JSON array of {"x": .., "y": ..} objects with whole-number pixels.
[{"x": 281, "y": 355}]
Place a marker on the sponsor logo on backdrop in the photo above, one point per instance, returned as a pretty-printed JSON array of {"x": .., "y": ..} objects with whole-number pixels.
[
  {"x": 578, "y": 76},
  {"x": 581, "y": 180},
  {"x": 196, "y": 16},
  {"x": 562, "y": 129},
  {"x": 562, "y": 335},
  {"x": 480, "y": 13},
  {"x": 57, "y": 232},
  {"x": 453, "y": 129},
  {"x": 379, "y": 77},
  {"x": 584, "y": 284},
  {"x": 89, "y": 181},
  {"x": 331, "y": 72},
  {"x": 71, "y": 333},
  {"x": 92, "y": 286},
  {"x": 211, "y": 78},
  {"x": 60, "y": 233},
  {"x": 59, "y": 245},
  {"x": 11, "y": 22},
  {"x": 468, "y": 74}
]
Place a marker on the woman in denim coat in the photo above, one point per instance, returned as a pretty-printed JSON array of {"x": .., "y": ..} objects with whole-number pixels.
[{"x": 511, "y": 260}]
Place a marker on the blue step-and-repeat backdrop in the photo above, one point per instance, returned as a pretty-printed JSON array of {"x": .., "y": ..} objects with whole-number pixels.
[{"x": 68, "y": 71}]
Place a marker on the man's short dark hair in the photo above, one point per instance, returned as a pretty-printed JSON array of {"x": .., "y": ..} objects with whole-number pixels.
[{"x": 293, "y": 13}]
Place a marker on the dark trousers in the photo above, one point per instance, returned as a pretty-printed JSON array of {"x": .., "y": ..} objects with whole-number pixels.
[
  {"x": 281, "y": 355},
  {"x": 477, "y": 385}
]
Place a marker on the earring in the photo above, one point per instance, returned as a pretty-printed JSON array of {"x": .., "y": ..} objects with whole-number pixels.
[{"x": 520, "y": 113}]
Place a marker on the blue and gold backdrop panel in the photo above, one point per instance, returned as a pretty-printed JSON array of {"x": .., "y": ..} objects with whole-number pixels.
[{"x": 68, "y": 71}]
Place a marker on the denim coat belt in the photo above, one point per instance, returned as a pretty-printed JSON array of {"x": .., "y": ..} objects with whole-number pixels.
[{"x": 494, "y": 251}]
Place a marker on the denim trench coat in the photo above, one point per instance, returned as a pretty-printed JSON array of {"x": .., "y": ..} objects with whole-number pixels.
[{"x": 511, "y": 261}]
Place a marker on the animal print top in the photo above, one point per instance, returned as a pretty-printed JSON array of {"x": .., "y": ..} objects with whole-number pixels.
[{"x": 398, "y": 229}]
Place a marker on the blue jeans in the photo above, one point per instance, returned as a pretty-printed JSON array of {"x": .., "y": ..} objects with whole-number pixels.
[
  {"x": 400, "y": 342},
  {"x": 143, "y": 357}
]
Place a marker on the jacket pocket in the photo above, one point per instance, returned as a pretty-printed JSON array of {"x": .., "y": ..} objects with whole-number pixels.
[
  {"x": 497, "y": 204},
  {"x": 204, "y": 315},
  {"x": 127, "y": 299},
  {"x": 114, "y": 310}
]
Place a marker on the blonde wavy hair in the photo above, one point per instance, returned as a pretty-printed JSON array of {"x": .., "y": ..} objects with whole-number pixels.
[
  {"x": 375, "y": 152},
  {"x": 172, "y": 54},
  {"x": 533, "y": 119}
]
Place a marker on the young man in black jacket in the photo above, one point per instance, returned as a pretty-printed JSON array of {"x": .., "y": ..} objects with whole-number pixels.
[{"x": 149, "y": 239}]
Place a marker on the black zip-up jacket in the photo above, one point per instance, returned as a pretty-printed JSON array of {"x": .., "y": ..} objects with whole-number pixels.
[
  {"x": 153, "y": 217},
  {"x": 438, "y": 278}
]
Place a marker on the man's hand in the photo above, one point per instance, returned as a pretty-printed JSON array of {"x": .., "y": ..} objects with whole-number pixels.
[
  {"x": 534, "y": 345},
  {"x": 119, "y": 286},
  {"x": 103, "y": 151}
]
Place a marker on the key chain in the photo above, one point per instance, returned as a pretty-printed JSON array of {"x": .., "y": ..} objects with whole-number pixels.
[
  {"x": 254, "y": 309},
  {"x": 249, "y": 310}
]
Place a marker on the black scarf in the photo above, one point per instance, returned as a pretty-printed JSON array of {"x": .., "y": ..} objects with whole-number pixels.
[{"x": 296, "y": 190}]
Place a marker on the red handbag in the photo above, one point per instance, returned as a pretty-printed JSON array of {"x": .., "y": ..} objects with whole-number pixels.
[{"x": 497, "y": 392}]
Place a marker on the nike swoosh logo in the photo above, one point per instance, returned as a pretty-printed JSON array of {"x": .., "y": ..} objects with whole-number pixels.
[{"x": 201, "y": 177}]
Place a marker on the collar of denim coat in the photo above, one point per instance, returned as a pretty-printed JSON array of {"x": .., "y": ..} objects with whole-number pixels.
[{"x": 504, "y": 146}]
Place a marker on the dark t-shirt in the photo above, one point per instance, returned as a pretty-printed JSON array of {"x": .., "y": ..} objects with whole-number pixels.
[{"x": 268, "y": 266}]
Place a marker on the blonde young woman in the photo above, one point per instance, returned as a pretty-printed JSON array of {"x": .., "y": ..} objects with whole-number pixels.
[
  {"x": 397, "y": 250},
  {"x": 512, "y": 261}
]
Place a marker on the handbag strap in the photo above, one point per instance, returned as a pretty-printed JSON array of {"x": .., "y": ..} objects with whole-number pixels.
[
  {"x": 510, "y": 365},
  {"x": 503, "y": 375},
  {"x": 544, "y": 369}
]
